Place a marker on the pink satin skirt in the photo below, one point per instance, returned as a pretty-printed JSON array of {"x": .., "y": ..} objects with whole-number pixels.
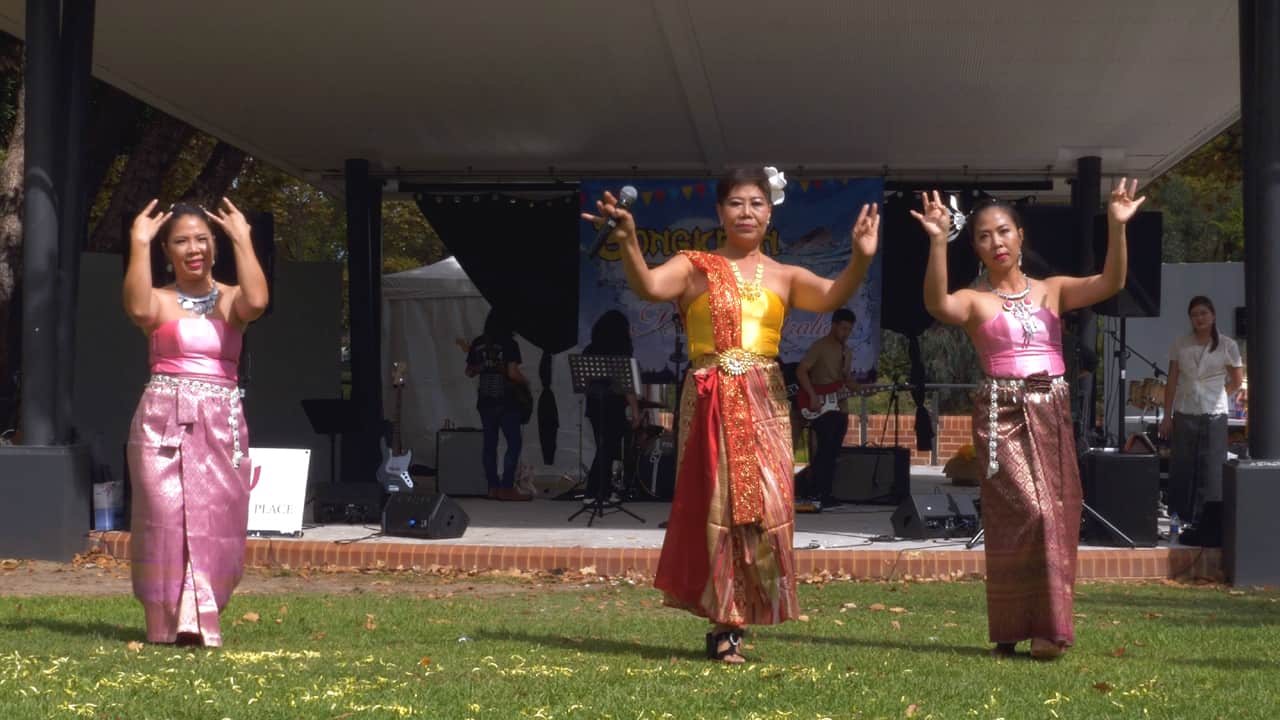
[{"x": 190, "y": 485}]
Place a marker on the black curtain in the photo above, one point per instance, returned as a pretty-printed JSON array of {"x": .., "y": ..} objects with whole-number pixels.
[
  {"x": 522, "y": 255},
  {"x": 906, "y": 252}
]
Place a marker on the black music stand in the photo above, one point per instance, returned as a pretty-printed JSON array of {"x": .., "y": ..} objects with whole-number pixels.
[
  {"x": 603, "y": 374},
  {"x": 332, "y": 417}
]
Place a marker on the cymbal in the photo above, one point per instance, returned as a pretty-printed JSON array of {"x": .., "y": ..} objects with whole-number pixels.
[{"x": 647, "y": 404}]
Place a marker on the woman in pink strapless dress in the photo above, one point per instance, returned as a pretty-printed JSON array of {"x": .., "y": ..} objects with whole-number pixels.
[
  {"x": 1022, "y": 413},
  {"x": 188, "y": 441}
]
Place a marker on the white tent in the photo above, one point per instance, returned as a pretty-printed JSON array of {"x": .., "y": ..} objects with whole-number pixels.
[{"x": 426, "y": 313}]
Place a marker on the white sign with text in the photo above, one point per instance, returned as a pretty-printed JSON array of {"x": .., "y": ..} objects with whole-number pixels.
[{"x": 278, "y": 490}]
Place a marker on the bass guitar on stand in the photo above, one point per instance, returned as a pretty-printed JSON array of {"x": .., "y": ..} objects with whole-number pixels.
[{"x": 393, "y": 473}]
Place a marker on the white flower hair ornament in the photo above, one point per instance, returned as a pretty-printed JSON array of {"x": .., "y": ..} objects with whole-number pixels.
[
  {"x": 777, "y": 183},
  {"x": 958, "y": 220}
]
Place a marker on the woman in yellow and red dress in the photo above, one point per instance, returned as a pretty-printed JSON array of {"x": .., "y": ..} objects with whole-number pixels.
[{"x": 728, "y": 552}]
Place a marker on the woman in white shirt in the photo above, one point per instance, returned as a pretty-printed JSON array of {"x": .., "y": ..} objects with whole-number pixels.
[{"x": 1205, "y": 369}]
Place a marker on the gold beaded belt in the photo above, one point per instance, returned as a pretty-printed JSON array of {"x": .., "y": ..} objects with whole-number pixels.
[
  {"x": 733, "y": 361},
  {"x": 172, "y": 384}
]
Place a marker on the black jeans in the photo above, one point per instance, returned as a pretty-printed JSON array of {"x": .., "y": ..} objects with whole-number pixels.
[
  {"x": 609, "y": 432},
  {"x": 828, "y": 433}
]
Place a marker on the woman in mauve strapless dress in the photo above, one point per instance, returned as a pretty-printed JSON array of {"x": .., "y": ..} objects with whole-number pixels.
[
  {"x": 1022, "y": 413},
  {"x": 188, "y": 440}
]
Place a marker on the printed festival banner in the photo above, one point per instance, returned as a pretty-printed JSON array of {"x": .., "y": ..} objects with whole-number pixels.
[{"x": 811, "y": 228}]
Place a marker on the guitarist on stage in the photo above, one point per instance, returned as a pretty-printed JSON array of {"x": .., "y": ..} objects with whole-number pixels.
[
  {"x": 826, "y": 369},
  {"x": 501, "y": 398}
]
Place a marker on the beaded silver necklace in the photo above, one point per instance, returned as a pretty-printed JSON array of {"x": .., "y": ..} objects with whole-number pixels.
[
  {"x": 201, "y": 305},
  {"x": 1019, "y": 305}
]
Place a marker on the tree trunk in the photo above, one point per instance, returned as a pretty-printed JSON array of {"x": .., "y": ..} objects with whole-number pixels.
[
  {"x": 11, "y": 194},
  {"x": 142, "y": 179},
  {"x": 222, "y": 167}
]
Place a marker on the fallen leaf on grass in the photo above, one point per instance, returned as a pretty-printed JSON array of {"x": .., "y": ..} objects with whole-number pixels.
[
  {"x": 319, "y": 636},
  {"x": 1079, "y": 616},
  {"x": 369, "y": 624},
  {"x": 425, "y": 661},
  {"x": 284, "y": 610},
  {"x": 911, "y": 710},
  {"x": 950, "y": 625},
  {"x": 1154, "y": 615},
  {"x": 897, "y": 610},
  {"x": 876, "y": 607},
  {"x": 279, "y": 621},
  {"x": 838, "y": 622},
  {"x": 802, "y": 618},
  {"x": 1235, "y": 592},
  {"x": 252, "y": 617},
  {"x": 1103, "y": 687},
  {"x": 1118, "y": 652},
  {"x": 134, "y": 646},
  {"x": 896, "y": 625}
]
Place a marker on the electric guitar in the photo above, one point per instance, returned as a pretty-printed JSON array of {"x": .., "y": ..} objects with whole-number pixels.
[
  {"x": 393, "y": 474},
  {"x": 829, "y": 396}
]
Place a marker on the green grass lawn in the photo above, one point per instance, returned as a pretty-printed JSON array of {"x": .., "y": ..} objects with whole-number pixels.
[{"x": 867, "y": 650}]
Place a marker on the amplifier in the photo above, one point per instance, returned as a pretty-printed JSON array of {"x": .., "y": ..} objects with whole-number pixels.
[
  {"x": 459, "y": 469},
  {"x": 872, "y": 475}
]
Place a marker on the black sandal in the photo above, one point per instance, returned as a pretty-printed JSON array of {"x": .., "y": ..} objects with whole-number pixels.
[
  {"x": 733, "y": 638},
  {"x": 1004, "y": 649}
]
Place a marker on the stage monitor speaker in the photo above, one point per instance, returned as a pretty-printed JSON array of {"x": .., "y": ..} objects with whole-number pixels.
[
  {"x": 935, "y": 515},
  {"x": 873, "y": 475},
  {"x": 1141, "y": 294},
  {"x": 1125, "y": 489},
  {"x": 423, "y": 516},
  {"x": 459, "y": 469}
]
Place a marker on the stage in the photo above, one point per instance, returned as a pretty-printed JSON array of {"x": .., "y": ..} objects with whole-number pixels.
[{"x": 851, "y": 540}]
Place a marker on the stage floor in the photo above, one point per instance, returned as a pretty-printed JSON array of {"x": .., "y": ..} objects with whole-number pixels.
[{"x": 851, "y": 540}]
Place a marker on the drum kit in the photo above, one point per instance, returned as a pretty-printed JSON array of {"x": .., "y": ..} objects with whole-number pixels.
[
  {"x": 1147, "y": 394},
  {"x": 651, "y": 464}
]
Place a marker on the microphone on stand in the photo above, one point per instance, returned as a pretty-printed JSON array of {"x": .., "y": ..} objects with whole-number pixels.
[{"x": 626, "y": 198}]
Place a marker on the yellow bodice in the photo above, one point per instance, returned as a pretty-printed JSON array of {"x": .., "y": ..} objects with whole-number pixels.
[{"x": 761, "y": 325}]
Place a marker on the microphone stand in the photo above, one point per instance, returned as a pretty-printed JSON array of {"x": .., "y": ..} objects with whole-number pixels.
[{"x": 1122, "y": 353}]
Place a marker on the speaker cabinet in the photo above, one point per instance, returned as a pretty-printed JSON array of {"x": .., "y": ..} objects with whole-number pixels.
[
  {"x": 1125, "y": 489},
  {"x": 1141, "y": 294},
  {"x": 935, "y": 515},
  {"x": 1250, "y": 505},
  {"x": 880, "y": 476},
  {"x": 423, "y": 516},
  {"x": 459, "y": 469}
]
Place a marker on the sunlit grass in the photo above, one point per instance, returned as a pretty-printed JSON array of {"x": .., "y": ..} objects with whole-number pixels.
[{"x": 608, "y": 649}]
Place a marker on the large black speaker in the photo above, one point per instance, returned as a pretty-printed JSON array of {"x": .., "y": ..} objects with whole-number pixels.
[
  {"x": 423, "y": 516},
  {"x": 1125, "y": 489},
  {"x": 1251, "y": 505},
  {"x": 1141, "y": 294},
  {"x": 872, "y": 475},
  {"x": 459, "y": 468},
  {"x": 935, "y": 515}
]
